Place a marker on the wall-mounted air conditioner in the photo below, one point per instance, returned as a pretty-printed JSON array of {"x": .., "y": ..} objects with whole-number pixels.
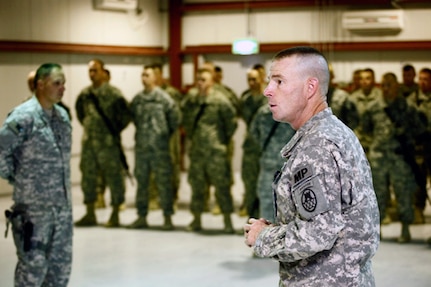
[
  {"x": 119, "y": 5},
  {"x": 376, "y": 21}
]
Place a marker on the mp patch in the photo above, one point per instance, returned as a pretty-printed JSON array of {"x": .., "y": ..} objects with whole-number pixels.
[{"x": 308, "y": 194}]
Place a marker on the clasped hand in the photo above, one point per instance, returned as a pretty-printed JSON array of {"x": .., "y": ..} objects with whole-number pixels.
[{"x": 253, "y": 228}]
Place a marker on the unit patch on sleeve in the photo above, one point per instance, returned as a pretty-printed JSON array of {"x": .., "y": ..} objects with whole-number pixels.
[{"x": 308, "y": 193}]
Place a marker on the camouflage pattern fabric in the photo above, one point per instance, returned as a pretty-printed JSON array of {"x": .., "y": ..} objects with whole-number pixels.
[
  {"x": 175, "y": 142},
  {"x": 270, "y": 160},
  {"x": 230, "y": 96},
  {"x": 393, "y": 141},
  {"x": 209, "y": 122},
  {"x": 363, "y": 103},
  {"x": 100, "y": 155},
  {"x": 156, "y": 118},
  {"x": 249, "y": 105},
  {"x": 327, "y": 218},
  {"x": 422, "y": 103},
  {"x": 342, "y": 107},
  {"x": 32, "y": 146}
]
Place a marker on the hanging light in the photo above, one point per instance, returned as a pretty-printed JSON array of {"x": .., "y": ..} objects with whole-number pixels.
[
  {"x": 245, "y": 46},
  {"x": 248, "y": 45}
]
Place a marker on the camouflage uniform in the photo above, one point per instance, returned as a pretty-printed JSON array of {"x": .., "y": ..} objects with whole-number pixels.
[
  {"x": 100, "y": 153},
  {"x": 422, "y": 103},
  {"x": 209, "y": 122},
  {"x": 175, "y": 142},
  {"x": 407, "y": 91},
  {"x": 363, "y": 103},
  {"x": 234, "y": 101},
  {"x": 342, "y": 107},
  {"x": 270, "y": 161},
  {"x": 249, "y": 104},
  {"x": 156, "y": 117},
  {"x": 393, "y": 127},
  {"x": 327, "y": 227},
  {"x": 34, "y": 157},
  {"x": 230, "y": 96}
]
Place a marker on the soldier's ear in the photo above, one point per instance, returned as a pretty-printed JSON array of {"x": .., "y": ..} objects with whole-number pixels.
[{"x": 312, "y": 86}]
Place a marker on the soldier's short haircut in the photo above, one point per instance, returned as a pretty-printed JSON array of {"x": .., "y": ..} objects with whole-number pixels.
[
  {"x": 426, "y": 71},
  {"x": 310, "y": 60},
  {"x": 368, "y": 70},
  {"x": 157, "y": 66},
  {"x": 390, "y": 75},
  {"x": 100, "y": 62},
  {"x": 408, "y": 67},
  {"x": 45, "y": 71}
]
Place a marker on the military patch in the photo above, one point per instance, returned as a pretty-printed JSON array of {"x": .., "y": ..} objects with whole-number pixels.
[
  {"x": 15, "y": 127},
  {"x": 308, "y": 194},
  {"x": 301, "y": 174}
]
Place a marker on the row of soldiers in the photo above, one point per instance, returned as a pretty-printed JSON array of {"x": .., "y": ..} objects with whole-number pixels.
[
  {"x": 390, "y": 121},
  {"x": 207, "y": 114},
  {"x": 393, "y": 124}
]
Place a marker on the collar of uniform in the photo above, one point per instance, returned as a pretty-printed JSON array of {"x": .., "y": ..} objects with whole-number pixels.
[{"x": 287, "y": 149}]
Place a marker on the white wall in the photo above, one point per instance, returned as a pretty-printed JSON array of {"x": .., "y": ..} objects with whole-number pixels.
[
  {"x": 305, "y": 25},
  {"x": 76, "y": 21}
]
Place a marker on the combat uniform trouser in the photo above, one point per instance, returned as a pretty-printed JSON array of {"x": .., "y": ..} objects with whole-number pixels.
[
  {"x": 205, "y": 171},
  {"x": 48, "y": 262},
  {"x": 102, "y": 161},
  {"x": 393, "y": 170},
  {"x": 159, "y": 165},
  {"x": 250, "y": 174},
  {"x": 266, "y": 195}
]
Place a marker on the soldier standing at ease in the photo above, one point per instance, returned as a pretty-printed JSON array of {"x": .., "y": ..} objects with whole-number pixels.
[
  {"x": 409, "y": 86},
  {"x": 271, "y": 136},
  {"x": 217, "y": 78},
  {"x": 209, "y": 122},
  {"x": 393, "y": 126},
  {"x": 341, "y": 105},
  {"x": 421, "y": 100},
  {"x": 156, "y": 117},
  {"x": 35, "y": 145},
  {"x": 364, "y": 98},
  {"x": 250, "y": 102},
  {"x": 103, "y": 113},
  {"x": 175, "y": 142}
]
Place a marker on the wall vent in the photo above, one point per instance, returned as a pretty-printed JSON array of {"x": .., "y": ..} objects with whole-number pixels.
[{"x": 373, "y": 21}]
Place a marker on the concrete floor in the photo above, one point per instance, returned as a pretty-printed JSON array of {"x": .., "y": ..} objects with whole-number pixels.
[{"x": 156, "y": 258}]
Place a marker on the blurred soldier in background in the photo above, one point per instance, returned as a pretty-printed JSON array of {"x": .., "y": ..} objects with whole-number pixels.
[
  {"x": 156, "y": 117},
  {"x": 251, "y": 100},
  {"x": 393, "y": 126},
  {"x": 409, "y": 85},
  {"x": 271, "y": 137},
  {"x": 103, "y": 113},
  {"x": 421, "y": 100},
  {"x": 209, "y": 122},
  {"x": 340, "y": 103},
  {"x": 364, "y": 98}
]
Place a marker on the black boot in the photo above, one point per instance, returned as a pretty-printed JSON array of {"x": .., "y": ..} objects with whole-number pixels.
[
  {"x": 140, "y": 223},
  {"x": 89, "y": 219},
  {"x": 228, "y": 227},
  {"x": 114, "y": 220},
  {"x": 405, "y": 234},
  {"x": 196, "y": 223},
  {"x": 168, "y": 223}
]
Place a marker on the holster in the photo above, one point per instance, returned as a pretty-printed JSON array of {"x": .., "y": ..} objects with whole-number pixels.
[{"x": 18, "y": 217}]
